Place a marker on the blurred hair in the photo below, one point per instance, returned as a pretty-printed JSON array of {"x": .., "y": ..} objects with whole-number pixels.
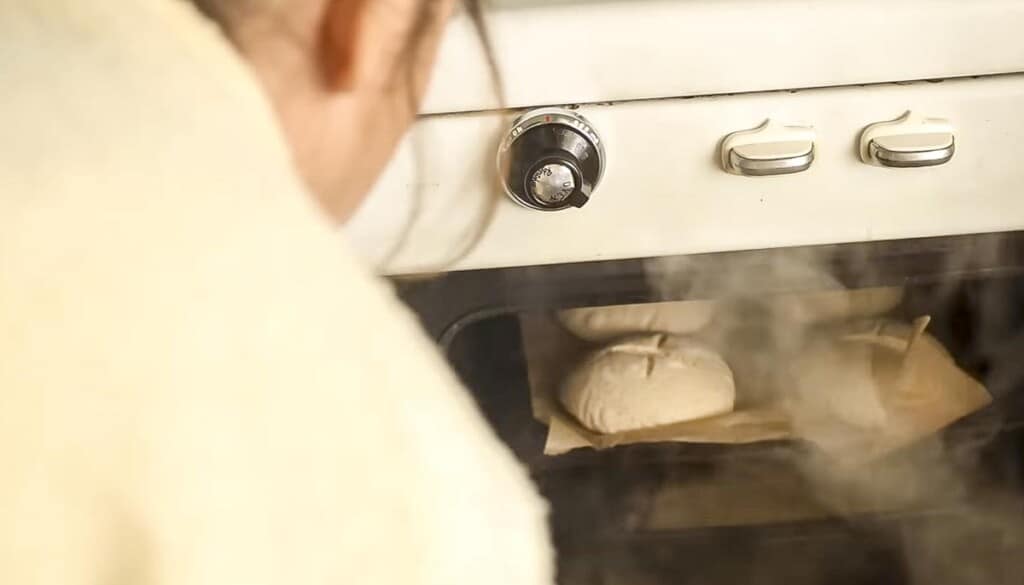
[{"x": 229, "y": 13}]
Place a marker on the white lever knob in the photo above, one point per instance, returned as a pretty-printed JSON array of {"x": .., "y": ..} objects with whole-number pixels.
[
  {"x": 911, "y": 141},
  {"x": 771, "y": 149}
]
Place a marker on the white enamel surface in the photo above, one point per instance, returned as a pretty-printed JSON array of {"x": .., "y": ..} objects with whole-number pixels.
[
  {"x": 915, "y": 142},
  {"x": 774, "y": 150},
  {"x": 563, "y": 52},
  {"x": 665, "y": 193}
]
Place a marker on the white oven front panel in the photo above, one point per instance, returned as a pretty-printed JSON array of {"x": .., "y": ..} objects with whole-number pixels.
[
  {"x": 664, "y": 191},
  {"x": 585, "y": 51}
]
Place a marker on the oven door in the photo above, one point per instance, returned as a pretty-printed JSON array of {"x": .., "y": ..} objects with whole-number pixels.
[{"x": 946, "y": 508}]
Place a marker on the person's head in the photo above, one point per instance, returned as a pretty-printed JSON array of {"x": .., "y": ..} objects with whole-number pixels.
[{"x": 345, "y": 77}]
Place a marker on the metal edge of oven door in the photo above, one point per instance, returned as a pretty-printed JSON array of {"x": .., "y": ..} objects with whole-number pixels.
[{"x": 449, "y": 302}]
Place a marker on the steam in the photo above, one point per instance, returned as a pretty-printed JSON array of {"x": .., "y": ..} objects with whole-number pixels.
[{"x": 967, "y": 523}]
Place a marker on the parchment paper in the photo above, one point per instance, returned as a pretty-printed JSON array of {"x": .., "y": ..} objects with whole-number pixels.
[{"x": 920, "y": 386}]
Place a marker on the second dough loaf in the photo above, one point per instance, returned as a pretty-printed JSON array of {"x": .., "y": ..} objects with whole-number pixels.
[{"x": 607, "y": 323}]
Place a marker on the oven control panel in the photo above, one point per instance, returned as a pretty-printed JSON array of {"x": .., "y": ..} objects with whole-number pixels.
[{"x": 689, "y": 176}]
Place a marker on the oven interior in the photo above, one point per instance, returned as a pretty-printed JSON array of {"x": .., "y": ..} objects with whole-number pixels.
[{"x": 945, "y": 510}]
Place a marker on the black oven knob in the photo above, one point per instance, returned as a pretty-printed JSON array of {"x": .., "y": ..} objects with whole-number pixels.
[{"x": 551, "y": 159}]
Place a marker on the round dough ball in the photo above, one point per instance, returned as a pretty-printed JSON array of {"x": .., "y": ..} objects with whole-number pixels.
[
  {"x": 607, "y": 323},
  {"x": 648, "y": 381},
  {"x": 837, "y": 305}
]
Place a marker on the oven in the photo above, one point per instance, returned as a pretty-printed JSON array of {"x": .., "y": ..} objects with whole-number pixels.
[
  {"x": 949, "y": 508},
  {"x": 748, "y": 155}
]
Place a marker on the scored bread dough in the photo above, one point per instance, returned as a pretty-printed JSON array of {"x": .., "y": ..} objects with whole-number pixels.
[
  {"x": 606, "y": 323},
  {"x": 833, "y": 383},
  {"x": 648, "y": 381}
]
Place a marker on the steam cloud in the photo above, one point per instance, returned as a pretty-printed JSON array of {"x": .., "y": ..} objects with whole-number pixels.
[{"x": 960, "y": 488}]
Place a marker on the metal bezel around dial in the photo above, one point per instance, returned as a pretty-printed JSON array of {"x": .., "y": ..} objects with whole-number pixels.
[{"x": 546, "y": 117}]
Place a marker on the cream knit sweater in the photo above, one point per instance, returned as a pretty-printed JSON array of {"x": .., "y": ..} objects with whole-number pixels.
[{"x": 198, "y": 384}]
